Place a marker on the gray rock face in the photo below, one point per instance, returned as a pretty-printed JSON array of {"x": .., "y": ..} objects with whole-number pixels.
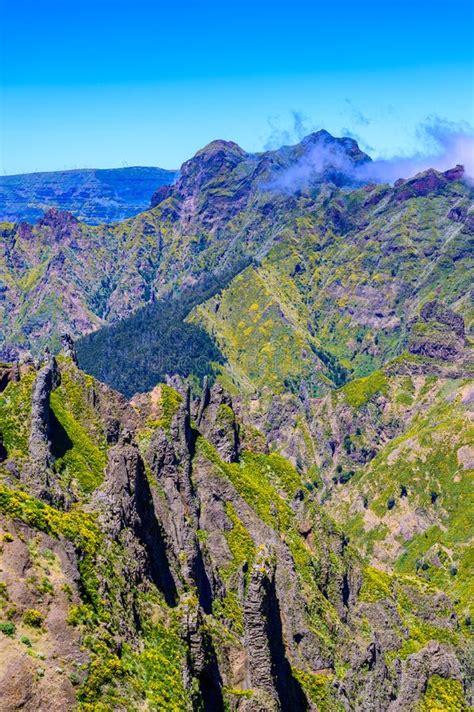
[
  {"x": 368, "y": 687},
  {"x": 69, "y": 348},
  {"x": 269, "y": 670},
  {"x": 216, "y": 421},
  {"x": 370, "y": 684},
  {"x": 438, "y": 333},
  {"x": 38, "y": 474},
  {"x": 201, "y": 659},
  {"x": 127, "y": 514},
  {"x": 256, "y": 612},
  {"x": 170, "y": 457},
  {"x": 434, "y": 659},
  {"x": 47, "y": 380},
  {"x": 294, "y": 588}
]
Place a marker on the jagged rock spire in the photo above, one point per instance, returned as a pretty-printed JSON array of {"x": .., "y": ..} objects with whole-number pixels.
[{"x": 69, "y": 347}]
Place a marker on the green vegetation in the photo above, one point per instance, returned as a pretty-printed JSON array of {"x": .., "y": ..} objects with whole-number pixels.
[
  {"x": 257, "y": 328},
  {"x": 308, "y": 326},
  {"x": 319, "y": 690},
  {"x": 360, "y": 391},
  {"x": 376, "y": 585},
  {"x": 15, "y": 409},
  {"x": 8, "y": 629},
  {"x": 240, "y": 543},
  {"x": 266, "y": 484},
  {"x": 252, "y": 479},
  {"x": 33, "y": 618},
  {"x": 78, "y": 441},
  {"x": 157, "y": 670},
  {"x": 242, "y": 549},
  {"x": 167, "y": 407},
  {"x": 419, "y": 470},
  {"x": 443, "y": 695}
]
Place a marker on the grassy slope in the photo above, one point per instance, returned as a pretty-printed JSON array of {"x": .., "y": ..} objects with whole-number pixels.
[
  {"x": 410, "y": 508},
  {"x": 349, "y": 294}
]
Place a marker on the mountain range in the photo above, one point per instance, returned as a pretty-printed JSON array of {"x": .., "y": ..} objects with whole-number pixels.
[
  {"x": 92, "y": 195},
  {"x": 248, "y": 483}
]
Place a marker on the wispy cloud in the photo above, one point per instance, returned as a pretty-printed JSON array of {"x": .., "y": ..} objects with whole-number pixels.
[
  {"x": 363, "y": 145},
  {"x": 317, "y": 160},
  {"x": 300, "y": 127},
  {"x": 443, "y": 145},
  {"x": 357, "y": 116}
]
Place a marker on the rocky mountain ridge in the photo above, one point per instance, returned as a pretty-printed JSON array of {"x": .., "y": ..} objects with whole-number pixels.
[{"x": 167, "y": 565}]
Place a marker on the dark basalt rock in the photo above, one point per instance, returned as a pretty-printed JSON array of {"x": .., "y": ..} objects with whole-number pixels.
[
  {"x": 368, "y": 687},
  {"x": 127, "y": 513},
  {"x": 7, "y": 374},
  {"x": 3, "y": 449},
  {"x": 201, "y": 660},
  {"x": 426, "y": 183},
  {"x": 151, "y": 539},
  {"x": 434, "y": 659},
  {"x": 38, "y": 474},
  {"x": 170, "y": 456},
  {"x": 269, "y": 670},
  {"x": 69, "y": 348},
  {"x": 438, "y": 333},
  {"x": 216, "y": 421},
  {"x": 47, "y": 380}
]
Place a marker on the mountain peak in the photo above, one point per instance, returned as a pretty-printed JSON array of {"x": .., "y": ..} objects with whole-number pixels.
[
  {"x": 219, "y": 145},
  {"x": 345, "y": 144},
  {"x": 429, "y": 181},
  {"x": 55, "y": 218},
  {"x": 317, "y": 136}
]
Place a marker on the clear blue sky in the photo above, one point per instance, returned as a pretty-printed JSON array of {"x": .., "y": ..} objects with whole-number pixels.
[{"x": 102, "y": 84}]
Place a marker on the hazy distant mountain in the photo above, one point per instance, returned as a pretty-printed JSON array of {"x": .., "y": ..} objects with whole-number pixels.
[{"x": 93, "y": 196}]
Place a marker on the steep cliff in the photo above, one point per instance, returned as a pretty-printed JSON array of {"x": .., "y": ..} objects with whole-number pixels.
[{"x": 162, "y": 564}]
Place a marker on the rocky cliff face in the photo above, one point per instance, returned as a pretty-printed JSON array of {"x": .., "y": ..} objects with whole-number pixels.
[{"x": 180, "y": 570}]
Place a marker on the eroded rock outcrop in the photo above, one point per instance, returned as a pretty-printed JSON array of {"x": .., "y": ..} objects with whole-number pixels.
[
  {"x": 202, "y": 662},
  {"x": 127, "y": 514},
  {"x": 69, "y": 348},
  {"x": 269, "y": 670},
  {"x": 38, "y": 474},
  {"x": 438, "y": 333},
  {"x": 208, "y": 569},
  {"x": 170, "y": 458},
  {"x": 216, "y": 420},
  {"x": 434, "y": 659}
]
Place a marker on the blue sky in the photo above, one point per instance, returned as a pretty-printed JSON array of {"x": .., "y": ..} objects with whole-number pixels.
[{"x": 104, "y": 84}]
